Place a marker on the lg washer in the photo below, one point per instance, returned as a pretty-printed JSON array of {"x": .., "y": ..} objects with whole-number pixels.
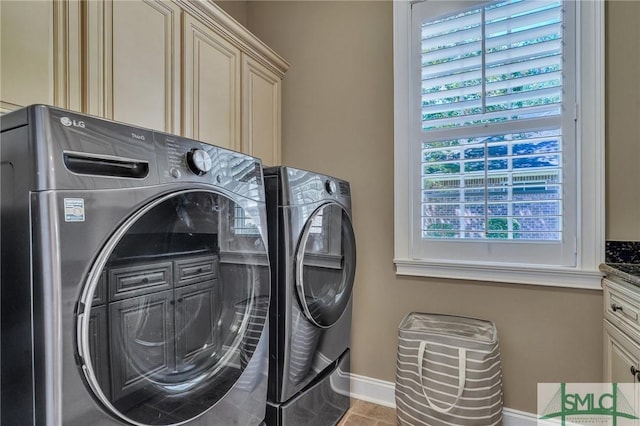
[{"x": 135, "y": 277}]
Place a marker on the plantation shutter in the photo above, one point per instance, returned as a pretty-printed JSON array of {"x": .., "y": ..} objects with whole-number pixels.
[{"x": 495, "y": 110}]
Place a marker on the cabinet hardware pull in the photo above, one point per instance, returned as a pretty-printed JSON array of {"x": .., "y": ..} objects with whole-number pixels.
[
  {"x": 145, "y": 280},
  {"x": 635, "y": 372},
  {"x": 180, "y": 299},
  {"x": 615, "y": 307}
]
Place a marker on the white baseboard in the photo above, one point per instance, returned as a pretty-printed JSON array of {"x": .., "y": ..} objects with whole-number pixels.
[
  {"x": 513, "y": 417},
  {"x": 373, "y": 390},
  {"x": 383, "y": 393}
]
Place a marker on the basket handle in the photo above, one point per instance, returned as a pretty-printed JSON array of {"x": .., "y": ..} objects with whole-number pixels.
[{"x": 462, "y": 373}]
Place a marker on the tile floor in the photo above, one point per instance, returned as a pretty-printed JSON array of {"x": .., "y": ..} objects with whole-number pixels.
[{"x": 364, "y": 413}]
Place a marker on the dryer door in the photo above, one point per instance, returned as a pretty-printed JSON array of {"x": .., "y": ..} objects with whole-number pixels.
[
  {"x": 174, "y": 307},
  {"x": 325, "y": 265}
]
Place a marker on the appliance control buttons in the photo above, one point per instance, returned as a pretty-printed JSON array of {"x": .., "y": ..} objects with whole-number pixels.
[
  {"x": 330, "y": 186},
  {"x": 199, "y": 161},
  {"x": 175, "y": 173}
]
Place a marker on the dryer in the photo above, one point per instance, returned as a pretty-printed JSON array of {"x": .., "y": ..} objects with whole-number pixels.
[
  {"x": 313, "y": 258},
  {"x": 135, "y": 276}
]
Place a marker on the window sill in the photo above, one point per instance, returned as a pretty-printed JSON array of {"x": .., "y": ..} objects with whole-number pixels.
[{"x": 516, "y": 274}]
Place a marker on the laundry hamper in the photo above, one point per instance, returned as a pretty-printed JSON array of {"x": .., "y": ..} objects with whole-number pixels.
[{"x": 448, "y": 371}]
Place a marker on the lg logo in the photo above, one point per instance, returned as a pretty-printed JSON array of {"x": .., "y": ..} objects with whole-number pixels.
[{"x": 67, "y": 122}]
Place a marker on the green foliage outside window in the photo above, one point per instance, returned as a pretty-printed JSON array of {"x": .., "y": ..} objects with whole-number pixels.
[{"x": 501, "y": 224}]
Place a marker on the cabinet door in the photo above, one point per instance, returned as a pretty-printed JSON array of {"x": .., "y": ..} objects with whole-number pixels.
[
  {"x": 620, "y": 354},
  {"x": 261, "y": 112},
  {"x": 141, "y": 343},
  {"x": 40, "y": 54},
  {"x": 211, "y": 86},
  {"x": 196, "y": 317},
  {"x": 133, "y": 62},
  {"x": 26, "y": 67}
]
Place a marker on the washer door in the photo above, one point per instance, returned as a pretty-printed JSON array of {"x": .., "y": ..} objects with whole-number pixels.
[
  {"x": 174, "y": 307},
  {"x": 325, "y": 265}
]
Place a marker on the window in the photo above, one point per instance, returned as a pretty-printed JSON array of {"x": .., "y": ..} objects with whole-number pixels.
[
  {"x": 243, "y": 224},
  {"x": 495, "y": 68},
  {"x": 499, "y": 140}
]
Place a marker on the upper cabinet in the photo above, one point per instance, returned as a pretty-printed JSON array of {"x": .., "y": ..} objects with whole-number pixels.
[
  {"x": 39, "y": 48},
  {"x": 261, "y": 111},
  {"x": 178, "y": 66},
  {"x": 211, "y": 86},
  {"x": 27, "y": 38},
  {"x": 133, "y": 62},
  {"x": 231, "y": 83}
]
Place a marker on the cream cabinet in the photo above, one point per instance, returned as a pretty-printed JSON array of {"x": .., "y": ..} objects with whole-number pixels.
[
  {"x": 621, "y": 332},
  {"x": 27, "y": 35},
  {"x": 133, "y": 62},
  {"x": 261, "y": 111},
  {"x": 178, "y": 66},
  {"x": 40, "y": 53},
  {"x": 211, "y": 86},
  {"x": 232, "y": 85},
  {"x": 622, "y": 356}
]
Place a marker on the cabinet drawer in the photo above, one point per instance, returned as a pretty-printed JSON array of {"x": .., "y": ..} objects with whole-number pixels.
[
  {"x": 195, "y": 269},
  {"x": 136, "y": 280},
  {"x": 622, "y": 306}
]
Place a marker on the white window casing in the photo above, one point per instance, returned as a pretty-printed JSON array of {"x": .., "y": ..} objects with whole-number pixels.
[{"x": 441, "y": 229}]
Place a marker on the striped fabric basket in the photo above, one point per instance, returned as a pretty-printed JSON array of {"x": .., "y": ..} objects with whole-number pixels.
[{"x": 448, "y": 371}]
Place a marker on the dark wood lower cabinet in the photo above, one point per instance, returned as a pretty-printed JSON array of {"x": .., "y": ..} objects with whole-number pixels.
[
  {"x": 157, "y": 338},
  {"x": 195, "y": 318},
  {"x": 141, "y": 341}
]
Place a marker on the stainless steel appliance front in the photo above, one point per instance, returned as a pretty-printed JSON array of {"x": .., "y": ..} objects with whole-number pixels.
[
  {"x": 141, "y": 295},
  {"x": 313, "y": 255}
]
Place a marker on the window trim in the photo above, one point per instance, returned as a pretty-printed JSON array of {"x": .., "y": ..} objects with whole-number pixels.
[{"x": 590, "y": 174}]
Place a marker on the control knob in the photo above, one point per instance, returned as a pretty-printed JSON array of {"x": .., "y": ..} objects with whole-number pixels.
[
  {"x": 199, "y": 161},
  {"x": 330, "y": 186}
]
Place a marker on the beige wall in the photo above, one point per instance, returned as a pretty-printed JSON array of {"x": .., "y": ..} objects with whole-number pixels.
[
  {"x": 236, "y": 8},
  {"x": 338, "y": 118},
  {"x": 623, "y": 120}
]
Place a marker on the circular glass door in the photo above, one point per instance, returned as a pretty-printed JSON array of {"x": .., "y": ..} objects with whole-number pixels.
[
  {"x": 325, "y": 263},
  {"x": 174, "y": 307}
]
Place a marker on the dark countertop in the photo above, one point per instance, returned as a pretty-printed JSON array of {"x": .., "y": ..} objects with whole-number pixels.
[{"x": 629, "y": 272}]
